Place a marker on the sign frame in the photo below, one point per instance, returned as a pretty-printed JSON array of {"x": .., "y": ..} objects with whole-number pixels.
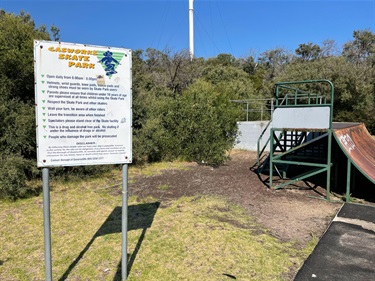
[{"x": 83, "y": 104}]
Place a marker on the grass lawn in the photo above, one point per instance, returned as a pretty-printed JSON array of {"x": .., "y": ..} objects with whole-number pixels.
[{"x": 192, "y": 238}]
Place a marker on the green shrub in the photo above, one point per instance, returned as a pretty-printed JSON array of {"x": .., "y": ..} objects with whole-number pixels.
[
  {"x": 13, "y": 175},
  {"x": 201, "y": 124}
]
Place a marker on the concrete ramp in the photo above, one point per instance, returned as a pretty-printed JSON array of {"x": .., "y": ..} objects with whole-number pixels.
[{"x": 358, "y": 145}]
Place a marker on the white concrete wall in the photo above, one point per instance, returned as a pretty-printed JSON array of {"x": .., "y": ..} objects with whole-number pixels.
[{"x": 249, "y": 132}]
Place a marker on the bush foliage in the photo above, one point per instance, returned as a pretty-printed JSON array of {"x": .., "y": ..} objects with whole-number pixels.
[{"x": 14, "y": 172}]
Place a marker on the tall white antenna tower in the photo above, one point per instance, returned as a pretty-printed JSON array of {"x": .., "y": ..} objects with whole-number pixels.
[{"x": 191, "y": 29}]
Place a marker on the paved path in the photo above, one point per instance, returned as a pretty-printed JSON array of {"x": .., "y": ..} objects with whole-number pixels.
[{"x": 347, "y": 249}]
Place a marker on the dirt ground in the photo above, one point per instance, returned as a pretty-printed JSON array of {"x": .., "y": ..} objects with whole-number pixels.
[
  {"x": 297, "y": 213},
  {"x": 290, "y": 214}
]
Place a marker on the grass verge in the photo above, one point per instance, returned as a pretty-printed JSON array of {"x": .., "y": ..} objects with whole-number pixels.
[{"x": 192, "y": 238}]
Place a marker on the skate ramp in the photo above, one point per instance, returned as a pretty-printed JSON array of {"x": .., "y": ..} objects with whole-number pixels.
[{"x": 358, "y": 145}]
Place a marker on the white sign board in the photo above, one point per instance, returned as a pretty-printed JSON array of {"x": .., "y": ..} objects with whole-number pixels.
[
  {"x": 83, "y": 104},
  {"x": 301, "y": 117}
]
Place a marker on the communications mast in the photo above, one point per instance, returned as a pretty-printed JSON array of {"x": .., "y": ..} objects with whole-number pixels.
[{"x": 191, "y": 29}]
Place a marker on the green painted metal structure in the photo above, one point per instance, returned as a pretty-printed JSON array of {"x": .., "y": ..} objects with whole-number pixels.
[{"x": 307, "y": 148}]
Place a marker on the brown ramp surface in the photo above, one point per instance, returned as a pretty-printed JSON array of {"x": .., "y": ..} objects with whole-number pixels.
[{"x": 358, "y": 145}]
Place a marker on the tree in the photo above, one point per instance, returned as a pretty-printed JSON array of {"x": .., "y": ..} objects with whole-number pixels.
[
  {"x": 158, "y": 79},
  {"x": 328, "y": 49},
  {"x": 171, "y": 71},
  {"x": 308, "y": 51},
  {"x": 16, "y": 41},
  {"x": 248, "y": 64},
  {"x": 362, "y": 48},
  {"x": 17, "y": 116},
  {"x": 273, "y": 61},
  {"x": 222, "y": 59}
]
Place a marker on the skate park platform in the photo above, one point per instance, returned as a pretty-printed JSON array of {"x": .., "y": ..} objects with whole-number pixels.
[
  {"x": 346, "y": 251},
  {"x": 307, "y": 147}
]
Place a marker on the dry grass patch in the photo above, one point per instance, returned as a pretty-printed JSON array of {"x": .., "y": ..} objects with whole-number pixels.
[{"x": 206, "y": 238}]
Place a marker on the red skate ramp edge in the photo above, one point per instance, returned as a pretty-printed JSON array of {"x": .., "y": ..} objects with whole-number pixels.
[{"x": 358, "y": 145}]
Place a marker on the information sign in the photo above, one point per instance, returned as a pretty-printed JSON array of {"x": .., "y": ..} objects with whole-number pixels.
[{"x": 83, "y": 104}]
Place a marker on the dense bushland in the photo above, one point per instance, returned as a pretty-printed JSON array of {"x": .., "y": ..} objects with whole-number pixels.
[{"x": 182, "y": 109}]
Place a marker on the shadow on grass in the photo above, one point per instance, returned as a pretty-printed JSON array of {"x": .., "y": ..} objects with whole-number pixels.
[{"x": 140, "y": 216}]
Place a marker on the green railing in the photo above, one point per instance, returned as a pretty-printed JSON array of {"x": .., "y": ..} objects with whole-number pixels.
[{"x": 294, "y": 96}]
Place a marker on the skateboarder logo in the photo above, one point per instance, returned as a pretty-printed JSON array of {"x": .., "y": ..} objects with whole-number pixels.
[{"x": 109, "y": 63}]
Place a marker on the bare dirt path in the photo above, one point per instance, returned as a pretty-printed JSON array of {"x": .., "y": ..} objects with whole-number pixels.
[{"x": 290, "y": 214}]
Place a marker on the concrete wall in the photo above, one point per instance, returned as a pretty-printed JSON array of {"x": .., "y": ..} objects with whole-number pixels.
[{"x": 249, "y": 132}]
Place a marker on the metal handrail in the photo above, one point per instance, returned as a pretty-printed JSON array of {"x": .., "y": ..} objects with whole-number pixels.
[
  {"x": 258, "y": 142},
  {"x": 283, "y": 85}
]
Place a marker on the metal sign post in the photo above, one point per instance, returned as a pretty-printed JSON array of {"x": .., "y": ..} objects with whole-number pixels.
[
  {"x": 124, "y": 218},
  {"x": 47, "y": 224}
]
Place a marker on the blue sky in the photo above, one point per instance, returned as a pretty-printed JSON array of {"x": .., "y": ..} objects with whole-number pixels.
[{"x": 240, "y": 28}]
